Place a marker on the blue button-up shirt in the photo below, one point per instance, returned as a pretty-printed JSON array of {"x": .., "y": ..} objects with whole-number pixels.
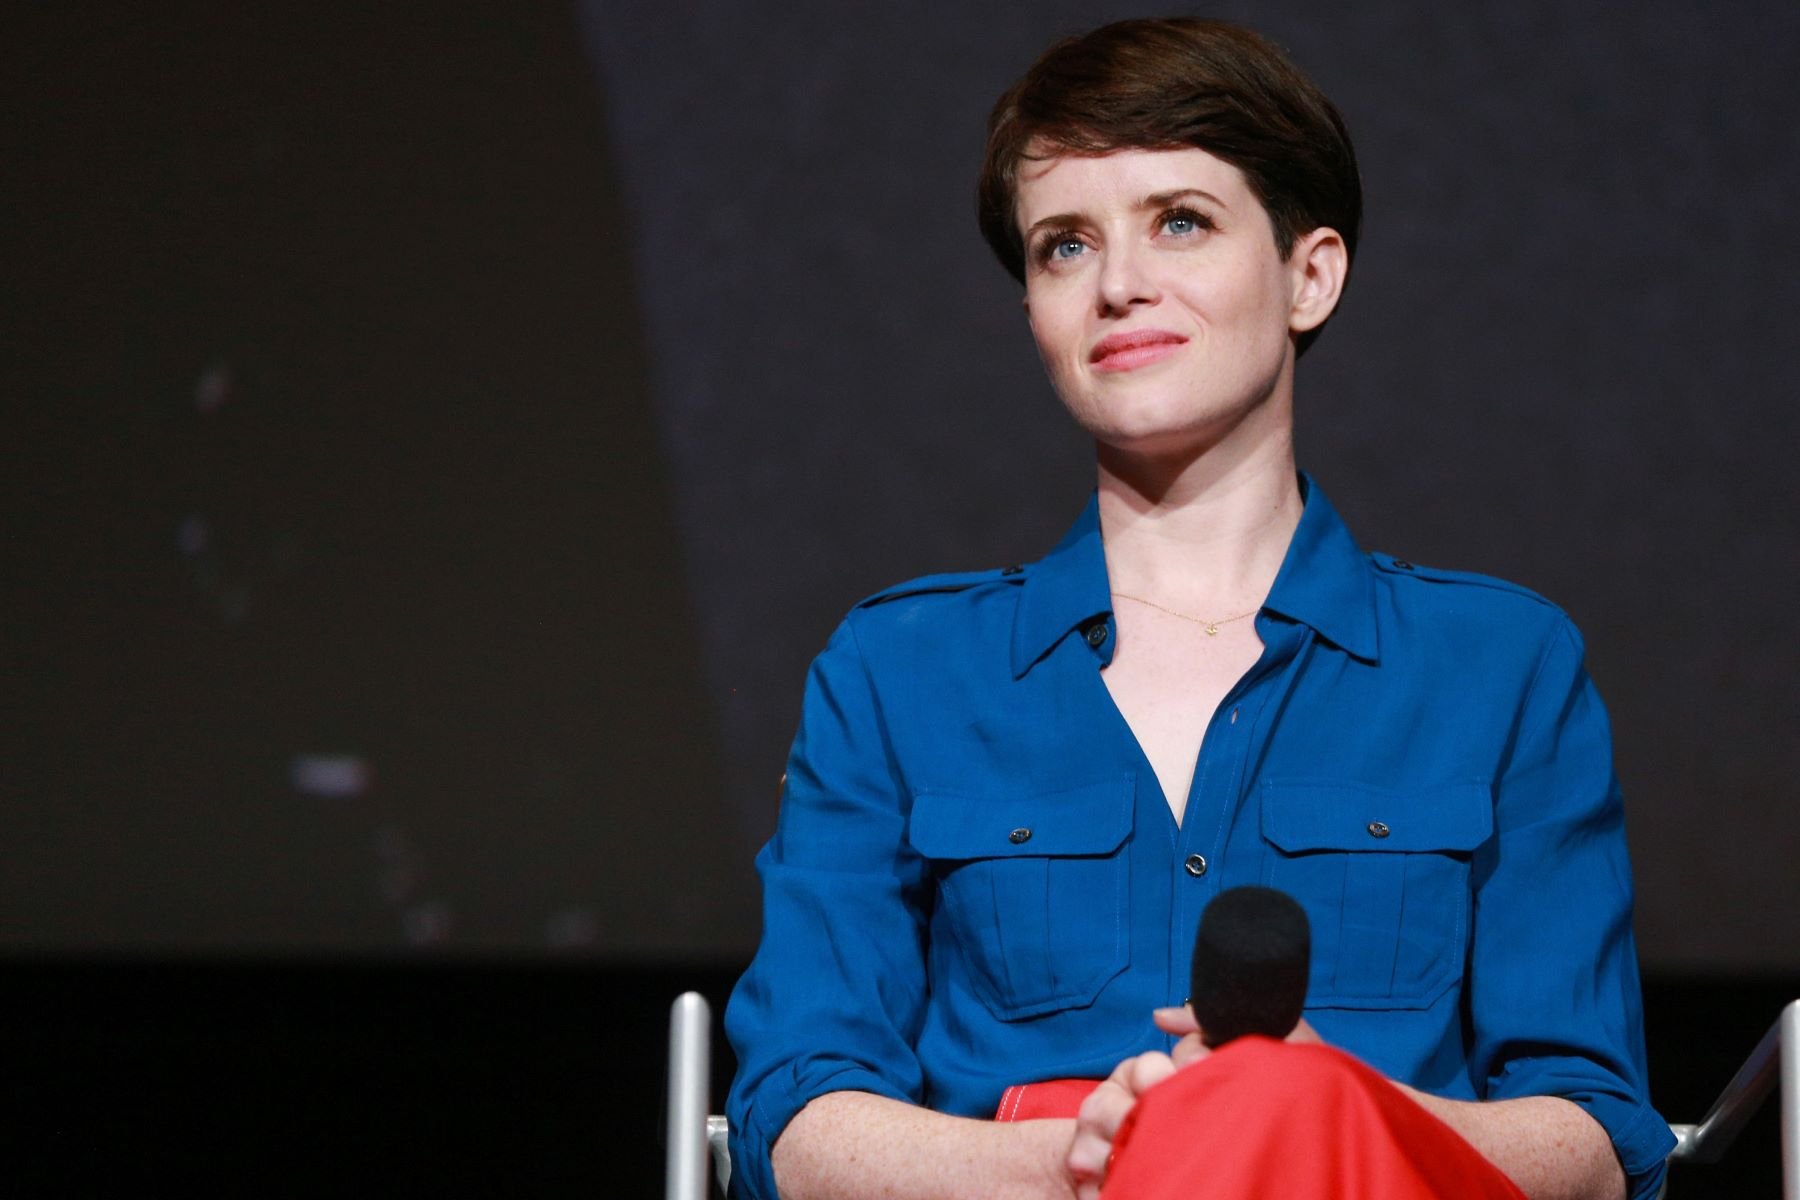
[{"x": 976, "y": 881}]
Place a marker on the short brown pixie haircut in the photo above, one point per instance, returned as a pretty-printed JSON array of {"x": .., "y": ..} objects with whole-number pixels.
[{"x": 1163, "y": 84}]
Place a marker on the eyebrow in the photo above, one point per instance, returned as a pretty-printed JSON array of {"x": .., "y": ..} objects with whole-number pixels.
[{"x": 1152, "y": 201}]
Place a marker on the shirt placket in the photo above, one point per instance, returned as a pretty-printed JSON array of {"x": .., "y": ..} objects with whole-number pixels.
[{"x": 1203, "y": 863}]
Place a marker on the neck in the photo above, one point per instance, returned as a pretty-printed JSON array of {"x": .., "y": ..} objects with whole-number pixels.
[{"x": 1203, "y": 533}]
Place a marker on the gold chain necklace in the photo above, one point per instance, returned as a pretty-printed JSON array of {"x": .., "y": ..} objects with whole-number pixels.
[{"x": 1212, "y": 627}]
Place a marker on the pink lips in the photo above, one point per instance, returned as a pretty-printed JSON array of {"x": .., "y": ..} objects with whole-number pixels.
[{"x": 1128, "y": 351}]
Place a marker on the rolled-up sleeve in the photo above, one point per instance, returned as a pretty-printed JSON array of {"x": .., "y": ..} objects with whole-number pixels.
[
  {"x": 1553, "y": 984},
  {"x": 835, "y": 995}
]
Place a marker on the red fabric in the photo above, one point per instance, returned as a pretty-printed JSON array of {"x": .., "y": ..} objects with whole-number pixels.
[
  {"x": 1265, "y": 1118},
  {"x": 1050, "y": 1098}
]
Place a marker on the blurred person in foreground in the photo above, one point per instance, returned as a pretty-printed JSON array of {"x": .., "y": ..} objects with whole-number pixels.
[{"x": 1014, "y": 792}]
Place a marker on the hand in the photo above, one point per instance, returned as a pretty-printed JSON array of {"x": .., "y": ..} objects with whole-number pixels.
[
  {"x": 1181, "y": 1022},
  {"x": 1097, "y": 1123},
  {"x": 1090, "y": 1152}
]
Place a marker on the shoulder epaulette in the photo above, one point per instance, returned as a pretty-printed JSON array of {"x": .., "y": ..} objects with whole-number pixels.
[
  {"x": 956, "y": 581},
  {"x": 1400, "y": 566}
]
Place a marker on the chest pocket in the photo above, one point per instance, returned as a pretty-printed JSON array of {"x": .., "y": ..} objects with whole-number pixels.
[
  {"x": 1384, "y": 878},
  {"x": 1032, "y": 892}
]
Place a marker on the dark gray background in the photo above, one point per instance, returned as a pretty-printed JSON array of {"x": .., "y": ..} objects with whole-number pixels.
[
  {"x": 586, "y": 363},
  {"x": 1561, "y": 359}
]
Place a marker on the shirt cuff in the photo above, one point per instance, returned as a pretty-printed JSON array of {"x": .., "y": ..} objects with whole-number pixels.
[
  {"x": 1640, "y": 1136},
  {"x": 773, "y": 1106}
]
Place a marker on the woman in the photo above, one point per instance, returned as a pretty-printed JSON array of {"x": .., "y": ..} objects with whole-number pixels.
[{"x": 1013, "y": 793}]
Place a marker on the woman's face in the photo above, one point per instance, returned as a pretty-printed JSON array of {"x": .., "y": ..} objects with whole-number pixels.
[{"x": 1160, "y": 305}]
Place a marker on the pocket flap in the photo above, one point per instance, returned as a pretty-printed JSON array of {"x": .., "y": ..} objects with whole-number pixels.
[
  {"x": 1299, "y": 816},
  {"x": 1094, "y": 818}
]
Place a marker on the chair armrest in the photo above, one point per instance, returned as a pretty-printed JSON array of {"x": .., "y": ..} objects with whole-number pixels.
[
  {"x": 718, "y": 1136},
  {"x": 1777, "y": 1056},
  {"x": 690, "y": 1074}
]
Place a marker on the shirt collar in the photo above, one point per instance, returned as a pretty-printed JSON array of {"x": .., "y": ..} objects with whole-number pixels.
[
  {"x": 1065, "y": 589},
  {"x": 1324, "y": 582}
]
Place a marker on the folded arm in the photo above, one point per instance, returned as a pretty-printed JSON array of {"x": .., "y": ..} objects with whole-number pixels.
[
  {"x": 876, "y": 1148},
  {"x": 1549, "y": 1147}
]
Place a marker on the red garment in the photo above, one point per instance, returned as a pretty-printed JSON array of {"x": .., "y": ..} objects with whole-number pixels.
[
  {"x": 1260, "y": 1118},
  {"x": 1049, "y": 1098}
]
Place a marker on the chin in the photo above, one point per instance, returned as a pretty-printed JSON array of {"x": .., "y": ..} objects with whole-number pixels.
[
  {"x": 1147, "y": 422},
  {"x": 1159, "y": 441},
  {"x": 1161, "y": 422},
  {"x": 1162, "y": 433}
]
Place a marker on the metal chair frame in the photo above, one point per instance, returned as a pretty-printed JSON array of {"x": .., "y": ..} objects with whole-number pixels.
[{"x": 693, "y": 1132}]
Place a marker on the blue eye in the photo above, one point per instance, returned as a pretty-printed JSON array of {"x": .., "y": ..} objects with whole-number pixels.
[
  {"x": 1180, "y": 223},
  {"x": 1067, "y": 248}
]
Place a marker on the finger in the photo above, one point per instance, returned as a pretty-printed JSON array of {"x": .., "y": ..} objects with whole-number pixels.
[
  {"x": 1178, "y": 1020},
  {"x": 1105, "y": 1106},
  {"x": 1103, "y": 1109},
  {"x": 1148, "y": 1070},
  {"x": 1090, "y": 1150},
  {"x": 1121, "y": 1074},
  {"x": 1087, "y": 1156},
  {"x": 1189, "y": 1050}
]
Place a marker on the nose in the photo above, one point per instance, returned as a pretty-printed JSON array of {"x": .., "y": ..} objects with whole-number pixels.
[{"x": 1125, "y": 280}]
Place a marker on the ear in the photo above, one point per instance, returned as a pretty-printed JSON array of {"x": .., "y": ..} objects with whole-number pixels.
[{"x": 1317, "y": 267}]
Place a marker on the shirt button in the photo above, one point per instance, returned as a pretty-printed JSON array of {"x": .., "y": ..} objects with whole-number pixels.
[
  {"x": 1377, "y": 829},
  {"x": 1234, "y": 716},
  {"x": 1196, "y": 865},
  {"x": 1019, "y": 836},
  {"x": 1096, "y": 634}
]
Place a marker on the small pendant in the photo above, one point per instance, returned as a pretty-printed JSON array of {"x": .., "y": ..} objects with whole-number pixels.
[{"x": 1212, "y": 629}]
